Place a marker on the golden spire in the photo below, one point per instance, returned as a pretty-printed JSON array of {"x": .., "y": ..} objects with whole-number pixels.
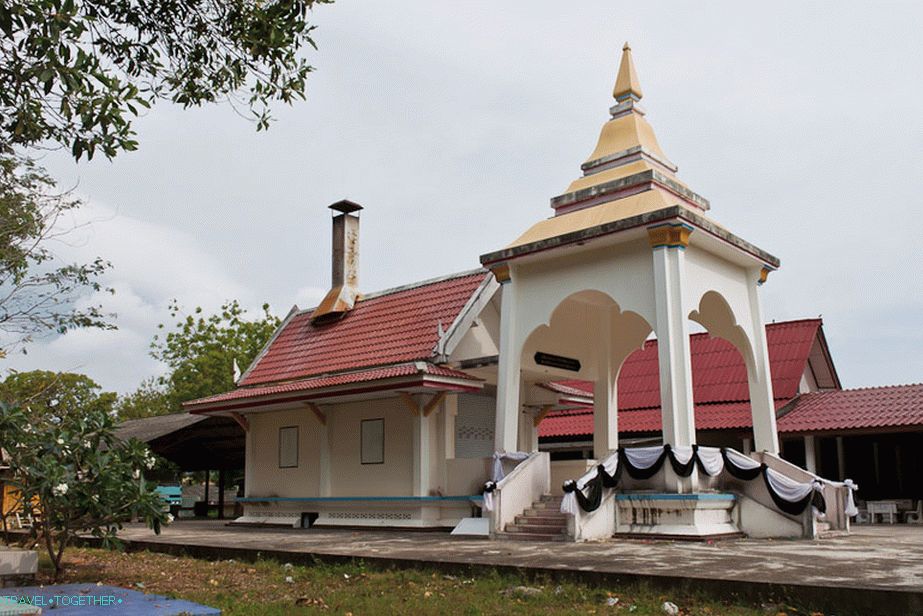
[{"x": 627, "y": 84}]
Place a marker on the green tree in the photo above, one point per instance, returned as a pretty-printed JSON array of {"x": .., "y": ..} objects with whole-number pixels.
[
  {"x": 50, "y": 395},
  {"x": 201, "y": 350},
  {"x": 38, "y": 292},
  {"x": 76, "y": 72},
  {"x": 74, "y": 476},
  {"x": 149, "y": 400}
]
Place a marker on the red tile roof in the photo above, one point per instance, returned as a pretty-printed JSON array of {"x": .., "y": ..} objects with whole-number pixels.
[
  {"x": 387, "y": 328},
  {"x": 855, "y": 409},
  {"x": 579, "y": 422},
  {"x": 719, "y": 382},
  {"x": 422, "y": 369},
  {"x": 718, "y": 371}
]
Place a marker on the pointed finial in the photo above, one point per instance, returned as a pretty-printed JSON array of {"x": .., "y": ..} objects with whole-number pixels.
[{"x": 627, "y": 84}]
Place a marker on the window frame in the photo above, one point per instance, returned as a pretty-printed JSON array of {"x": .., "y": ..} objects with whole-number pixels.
[
  {"x": 296, "y": 431},
  {"x": 363, "y": 458}
]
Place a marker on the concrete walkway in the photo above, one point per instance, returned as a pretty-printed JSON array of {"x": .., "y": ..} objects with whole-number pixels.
[{"x": 875, "y": 570}]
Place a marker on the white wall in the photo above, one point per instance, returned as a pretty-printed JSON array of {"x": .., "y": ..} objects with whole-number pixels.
[
  {"x": 263, "y": 475},
  {"x": 349, "y": 477}
]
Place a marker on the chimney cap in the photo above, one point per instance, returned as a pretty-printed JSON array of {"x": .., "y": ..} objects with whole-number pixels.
[{"x": 346, "y": 206}]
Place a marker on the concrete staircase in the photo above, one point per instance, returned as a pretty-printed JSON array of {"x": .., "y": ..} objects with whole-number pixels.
[{"x": 541, "y": 522}]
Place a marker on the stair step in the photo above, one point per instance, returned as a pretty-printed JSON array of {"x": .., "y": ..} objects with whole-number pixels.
[
  {"x": 541, "y": 520},
  {"x": 531, "y": 537},
  {"x": 546, "y": 506},
  {"x": 548, "y": 498},
  {"x": 535, "y": 529},
  {"x": 545, "y": 513}
]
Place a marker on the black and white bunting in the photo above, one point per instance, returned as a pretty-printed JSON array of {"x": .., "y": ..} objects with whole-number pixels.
[{"x": 642, "y": 463}]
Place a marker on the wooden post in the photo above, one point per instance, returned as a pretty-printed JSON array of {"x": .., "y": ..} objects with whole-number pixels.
[
  {"x": 221, "y": 494},
  {"x": 207, "y": 477}
]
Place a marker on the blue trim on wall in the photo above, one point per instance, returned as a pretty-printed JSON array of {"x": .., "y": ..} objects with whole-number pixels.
[{"x": 346, "y": 499}]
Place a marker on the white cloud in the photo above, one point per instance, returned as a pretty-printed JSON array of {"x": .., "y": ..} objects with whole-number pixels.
[
  {"x": 454, "y": 124},
  {"x": 151, "y": 264}
]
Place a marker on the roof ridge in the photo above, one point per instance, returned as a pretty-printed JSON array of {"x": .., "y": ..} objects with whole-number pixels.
[
  {"x": 412, "y": 285},
  {"x": 869, "y": 388}
]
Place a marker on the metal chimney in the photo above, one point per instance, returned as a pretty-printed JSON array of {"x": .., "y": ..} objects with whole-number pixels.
[{"x": 344, "y": 279}]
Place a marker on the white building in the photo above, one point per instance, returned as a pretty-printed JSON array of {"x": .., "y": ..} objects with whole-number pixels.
[{"x": 394, "y": 408}]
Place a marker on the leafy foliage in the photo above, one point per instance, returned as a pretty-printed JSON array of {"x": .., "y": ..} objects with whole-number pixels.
[
  {"x": 50, "y": 394},
  {"x": 71, "y": 472},
  {"x": 77, "y": 72},
  {"x": 200, "y": 350},
  {"x": 149, "y": 400},
  {"x": 37, "y": 292}
]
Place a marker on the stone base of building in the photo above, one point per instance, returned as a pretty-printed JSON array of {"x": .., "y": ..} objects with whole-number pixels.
[
  {"x": 676, "y": 516},
  {"x": 372, "y": 512}
]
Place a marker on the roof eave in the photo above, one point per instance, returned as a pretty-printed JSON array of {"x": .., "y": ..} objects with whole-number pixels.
[
  {"x": 427, "y": 381},
  {"x": 609, "y": 228}
]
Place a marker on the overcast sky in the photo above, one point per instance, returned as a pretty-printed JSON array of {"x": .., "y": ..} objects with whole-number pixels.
[{"x": 454, "y": 123}]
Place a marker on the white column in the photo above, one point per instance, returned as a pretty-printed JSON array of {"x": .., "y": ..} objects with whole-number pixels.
[
  {"x": 810, "y": 455},
  {"x": 673, "y": 348},
  {"x": 762, "y": 403},
  {"x": 323, "y": 461},
  {"x": 508, "y": 374},
  {"x": 605, "y": 402},
  {"x": 421, "y": 453},
  {"x": 446, "y": 430},
  {"x": 672, "y": 327},
  {"x": 248, "y": 459},
  {"x": 528, "y": 432}
]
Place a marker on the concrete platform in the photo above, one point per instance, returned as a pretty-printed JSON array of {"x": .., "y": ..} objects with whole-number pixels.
[{"x": 875, "y": 570}]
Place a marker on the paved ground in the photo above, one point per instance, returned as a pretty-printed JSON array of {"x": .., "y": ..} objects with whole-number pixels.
[{"x": 873, "y": 564}]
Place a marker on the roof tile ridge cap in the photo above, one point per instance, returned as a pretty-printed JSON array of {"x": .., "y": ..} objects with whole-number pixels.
[
  {"x": 423, "y": 283},
  {"x": 872, "y": 387},
  {"x": 407, "y": 287},
  {"x": 797, "y": 321}
]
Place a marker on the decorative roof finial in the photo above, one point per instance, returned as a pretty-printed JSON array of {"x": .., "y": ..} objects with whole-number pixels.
[{"x": 627, "y": 84}]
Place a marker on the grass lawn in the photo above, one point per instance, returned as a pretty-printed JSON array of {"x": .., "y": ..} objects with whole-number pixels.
[{"x": 269, "y": 587}]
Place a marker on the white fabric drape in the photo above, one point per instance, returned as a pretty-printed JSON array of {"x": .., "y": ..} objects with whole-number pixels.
[
  {"x": 682, "y": 453},
  {"x": 569, "y": 502},
  {"x": 851, "y": 508},
  {"x": 789, "y": 489},
  {"x": 488, "y": 501},
  {"x": 739, "y": 459},
  {"x": 711, "y": 460},
  {"x": 643, "y": 457},
  {"x": 511, "y": 456},
  {"x": 611, "y": 464}
]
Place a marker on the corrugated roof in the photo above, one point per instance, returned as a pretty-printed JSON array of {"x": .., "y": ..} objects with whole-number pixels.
[
  {"x": 387, "y": 328},
  {"x": 853, "y": 409}
]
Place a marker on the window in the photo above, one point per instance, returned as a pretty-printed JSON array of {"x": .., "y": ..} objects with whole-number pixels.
[
  {"x": 373, "y": 441},
  {"x": 288, "y": 447}
]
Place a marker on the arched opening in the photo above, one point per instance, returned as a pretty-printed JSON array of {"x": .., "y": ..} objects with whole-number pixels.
[
  {"x": 586, "y": 338},
  {"x": 724, "y": 371}
]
